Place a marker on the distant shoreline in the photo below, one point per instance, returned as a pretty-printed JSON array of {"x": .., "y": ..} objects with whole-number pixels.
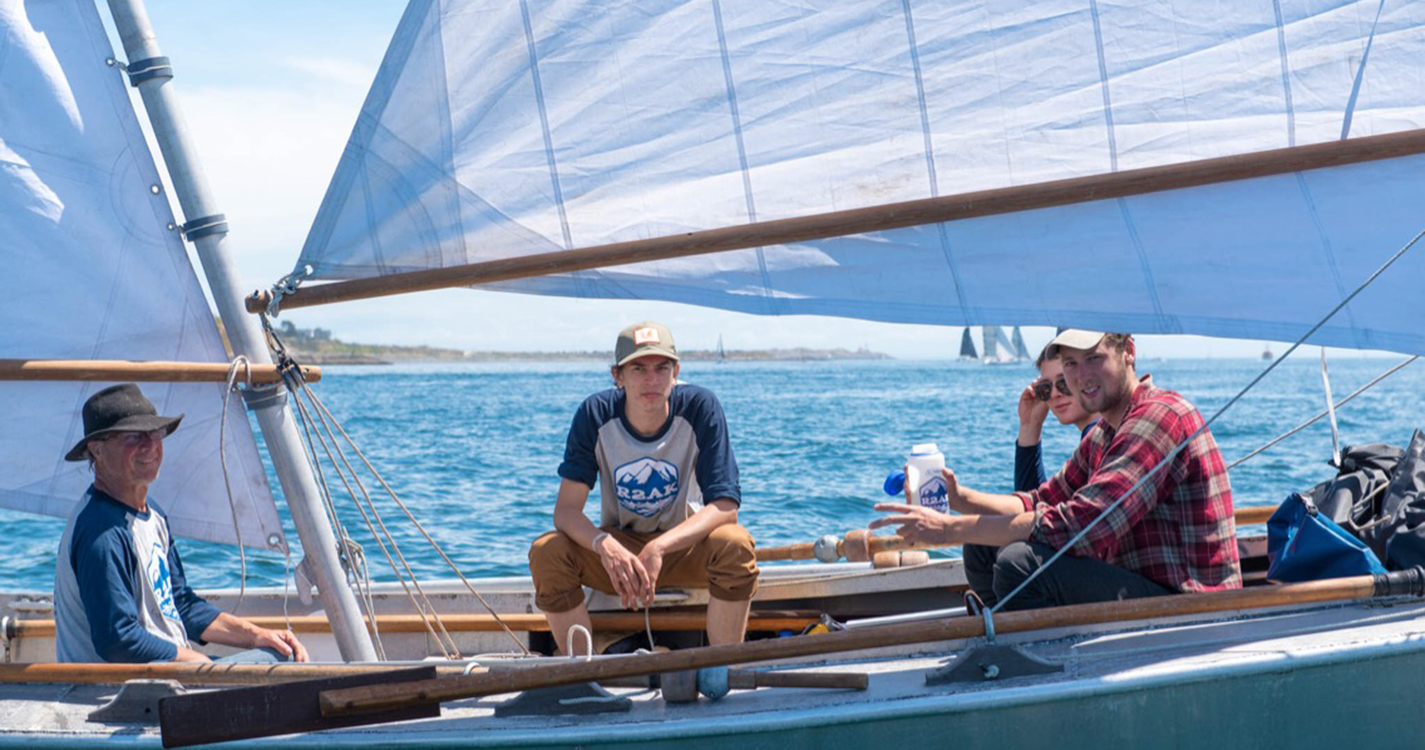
[{"x": 338, "y": 353}]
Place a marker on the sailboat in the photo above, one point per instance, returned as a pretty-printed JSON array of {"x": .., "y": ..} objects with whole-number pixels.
[
  {"x": 1021, "y": 353},
  {"x": 721, "y": 353},
  {"x": 998, "y": 350},
  {"x": 967, "y": 347},
  {"x": 1215, "y": 197}
]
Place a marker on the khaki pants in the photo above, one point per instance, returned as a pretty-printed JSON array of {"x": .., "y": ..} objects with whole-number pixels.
[{"x": 725, "y": 562}]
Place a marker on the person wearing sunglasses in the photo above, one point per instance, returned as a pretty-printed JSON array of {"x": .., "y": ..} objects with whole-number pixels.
[
  {"x": 1134, "y": 514},
  {"x": 120, "y": 594},
  {"x": 1048, "y": 393}
]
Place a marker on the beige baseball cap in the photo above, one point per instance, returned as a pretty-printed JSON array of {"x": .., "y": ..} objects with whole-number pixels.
[
  {"x": 643, "y": 339},
  {"x": 1074, "y": 338}
]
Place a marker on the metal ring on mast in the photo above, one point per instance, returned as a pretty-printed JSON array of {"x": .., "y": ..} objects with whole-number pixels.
[{"x": 148, "y": 69}]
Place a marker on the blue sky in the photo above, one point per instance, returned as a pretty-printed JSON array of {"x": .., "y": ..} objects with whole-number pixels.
[{"x": 270, "y": 91}]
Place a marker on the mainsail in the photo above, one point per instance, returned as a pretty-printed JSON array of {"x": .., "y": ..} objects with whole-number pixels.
[
  {"x": 98, "y": 273},
  {"x": 503, "y": 131}
]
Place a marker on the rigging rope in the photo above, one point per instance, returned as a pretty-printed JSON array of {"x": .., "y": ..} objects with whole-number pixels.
[
  {"x": 1331, "y": 409},
  {"x": 1223, "y": 409},
  {"x": 1323, "y": 412},
  {"x": 317, "y": 419},
  {"x": 227, "y": 481}
]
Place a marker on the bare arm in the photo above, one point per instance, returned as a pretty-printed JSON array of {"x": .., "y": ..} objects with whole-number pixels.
[
  {"x": 627, "y": 571},
  {"x": 235, "y": 631},
  {"x": 692, "y": 530},
  {"x": 973, "y": 502},
  {"x": 920, "y": 525}
]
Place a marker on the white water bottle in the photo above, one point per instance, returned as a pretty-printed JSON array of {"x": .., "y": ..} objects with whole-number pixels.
[{"x": 923, "y": 474}]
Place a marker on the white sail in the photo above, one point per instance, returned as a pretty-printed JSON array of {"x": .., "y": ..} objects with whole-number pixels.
[
  {"x": 522, "y": 128},
  {"x": 95, "y": 273}
]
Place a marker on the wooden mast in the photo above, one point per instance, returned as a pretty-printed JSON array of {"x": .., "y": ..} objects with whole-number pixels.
[{"x": 871, "y": 219}]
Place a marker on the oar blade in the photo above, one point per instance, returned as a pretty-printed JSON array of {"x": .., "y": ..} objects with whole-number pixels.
[{"x": 286, "y": 708}]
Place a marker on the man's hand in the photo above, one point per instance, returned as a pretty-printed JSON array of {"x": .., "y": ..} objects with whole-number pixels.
[
  {"x": 652, "y": 559},
  {"x": 1032, "y": 413},
  {"x": 630, "y": 578},
  {"x": 282, "y": 641},
  {"x": 918, "y": 525}
]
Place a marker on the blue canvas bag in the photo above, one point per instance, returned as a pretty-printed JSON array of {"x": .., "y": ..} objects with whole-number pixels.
[{"x": 1304, "y": 545}]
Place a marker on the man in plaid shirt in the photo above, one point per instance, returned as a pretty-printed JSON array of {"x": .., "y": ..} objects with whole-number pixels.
[{"x": 1175, "y": 533}]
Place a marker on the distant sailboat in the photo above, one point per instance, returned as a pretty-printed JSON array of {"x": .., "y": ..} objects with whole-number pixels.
[
  {"x": 1021, "y": 352},
  {"x": 967, "y": 346},
  {"x": 992, "y": 339},
  {"x": 1267, "y": 355},
  {"x": 721, "y": 354}
]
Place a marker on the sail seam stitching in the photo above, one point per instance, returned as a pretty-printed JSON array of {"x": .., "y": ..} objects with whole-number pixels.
[
  {"x": 544, "y": 123},
  {"x": 1286, "y": 74},
  {"x": 737, "y": 135},
  {"x": 914, "y": 49},
  {"x": 1103, "y": 86},
  {"x": 1360, "y": 75}
]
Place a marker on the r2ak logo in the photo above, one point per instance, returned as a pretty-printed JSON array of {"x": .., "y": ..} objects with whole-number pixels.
[{"x": 646, "y": 486}]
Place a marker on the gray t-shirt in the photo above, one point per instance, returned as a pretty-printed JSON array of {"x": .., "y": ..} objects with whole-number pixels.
[{"x": 652, "y": 484}]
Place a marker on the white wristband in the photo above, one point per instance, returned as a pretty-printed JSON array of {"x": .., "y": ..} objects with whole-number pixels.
[{"x": 598, "y": 538}]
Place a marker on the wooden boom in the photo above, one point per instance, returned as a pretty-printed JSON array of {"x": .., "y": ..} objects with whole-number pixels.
[
  {"x": 869, "y": 219},
  {"x": 146, "y": 372}
]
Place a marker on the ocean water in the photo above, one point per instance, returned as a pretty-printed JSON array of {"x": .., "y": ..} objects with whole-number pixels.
[{"x": 472, "y": 448}]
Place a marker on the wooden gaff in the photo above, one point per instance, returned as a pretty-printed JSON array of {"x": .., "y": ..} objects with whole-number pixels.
[{"x": 870, "y": 219}]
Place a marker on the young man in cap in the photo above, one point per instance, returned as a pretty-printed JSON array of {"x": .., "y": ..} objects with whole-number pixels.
[
  {"x": 660, "y": 454},
  {"x": 1175, "y": 533},
  {"x": 119, "y": 591}
]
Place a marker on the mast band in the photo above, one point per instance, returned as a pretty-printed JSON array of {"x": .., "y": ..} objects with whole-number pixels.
[
  {"x": 200, "y": 228},
  {"x": 149, "y": 69}
]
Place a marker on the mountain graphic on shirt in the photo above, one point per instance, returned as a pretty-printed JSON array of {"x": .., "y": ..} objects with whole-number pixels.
[
  {"x": 161, "y": 581},
  {"x": 646, "y": 486}
]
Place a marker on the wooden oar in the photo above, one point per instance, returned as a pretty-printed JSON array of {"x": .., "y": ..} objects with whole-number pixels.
[
  {"x": 869, "y": 219},
  {"x": 196, "y": 674},
  {"x": 859, "y": 546},
  {"x": 350, "y": 706},
  {"x": 757, "y": 621},
  {"x": 345, "y": 702},
  {"x": 147, "y": 372}
]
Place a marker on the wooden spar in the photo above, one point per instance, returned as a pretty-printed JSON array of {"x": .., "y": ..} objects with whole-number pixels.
[
  {"x": 870, "y": 219},
  {"x": 194, "y": 674},
  {"x": 343, "y": 703},
  {"x": 758, "y": 620},
  {"x": 143, "y": 372},
  {"x": 874, "y": 544}
]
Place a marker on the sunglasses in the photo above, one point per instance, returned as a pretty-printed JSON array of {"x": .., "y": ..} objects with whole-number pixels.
[{"x": 1043, "y": 389}]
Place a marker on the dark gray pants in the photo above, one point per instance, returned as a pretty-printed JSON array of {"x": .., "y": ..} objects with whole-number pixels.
[{"x": 993, "y": 572}]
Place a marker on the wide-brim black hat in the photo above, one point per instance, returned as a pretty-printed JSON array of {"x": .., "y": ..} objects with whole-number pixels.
[{"x": 119, "y": 408}]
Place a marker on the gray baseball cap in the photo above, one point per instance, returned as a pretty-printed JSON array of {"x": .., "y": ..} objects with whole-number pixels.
[{"x": 643, "y": 339}]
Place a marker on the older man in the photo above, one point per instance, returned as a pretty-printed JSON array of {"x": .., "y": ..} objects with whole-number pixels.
[
  {"x": 119, "y": 591},
  {"x": 1175, "y": 533},
  {"x": 660, "y": 452}
]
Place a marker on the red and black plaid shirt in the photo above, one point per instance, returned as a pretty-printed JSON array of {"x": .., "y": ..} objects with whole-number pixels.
[{"x": 1177, "y": 529}]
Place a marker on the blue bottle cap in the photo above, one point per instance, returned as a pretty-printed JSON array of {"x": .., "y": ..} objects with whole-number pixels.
[{"x": 895, "y": 483}]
